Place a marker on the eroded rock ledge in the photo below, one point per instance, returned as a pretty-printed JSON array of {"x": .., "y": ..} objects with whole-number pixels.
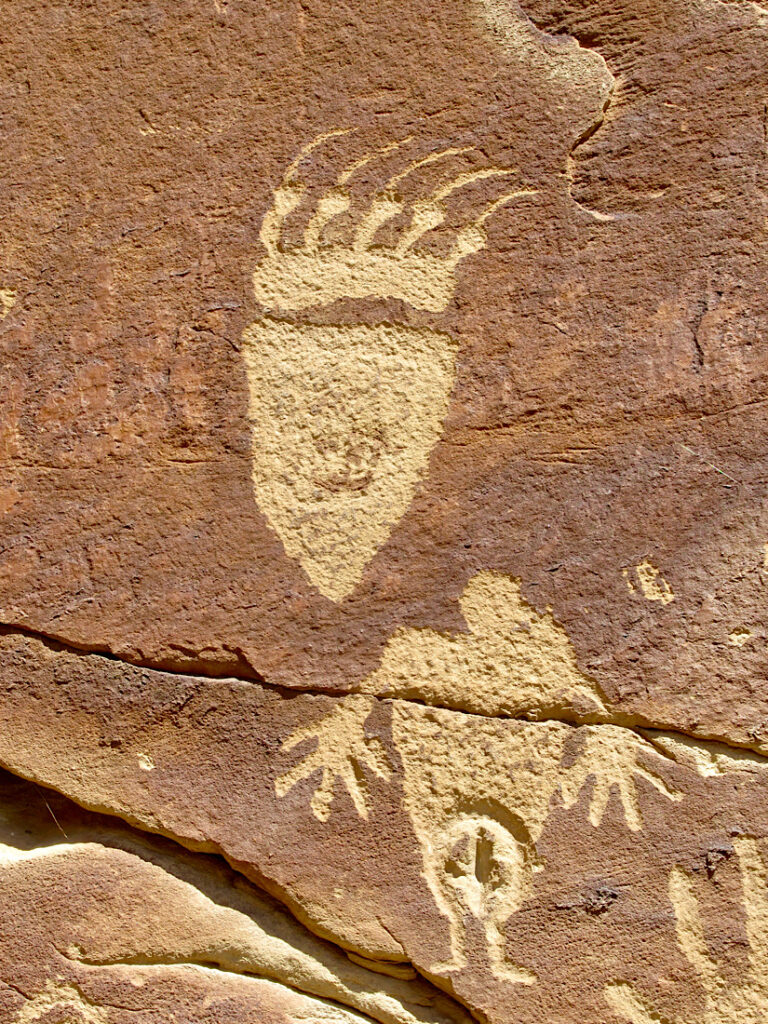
[
  {"x": 405, "y": 834},
  {"x": 102, "y": 923}
]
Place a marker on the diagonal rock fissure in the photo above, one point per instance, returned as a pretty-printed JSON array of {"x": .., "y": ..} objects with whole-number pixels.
[{"x": 197, "y": 670}]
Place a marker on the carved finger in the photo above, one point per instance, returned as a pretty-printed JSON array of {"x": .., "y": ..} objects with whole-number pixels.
[
  {"x": 472, "y": 238},
  {"x": 467, "y": 178},
  {"x": 430, "y": 213},
  {"x": 658, "y": 783},
  {"x": 305, "y": 733},
  {"x": 382, "y": 209},
  {"x": 423, "y": 162},
  {"x": 427, "y": 215},
  {"x": 298, "y": 773},
  {"x": 754, "y": 884},
  {"x": 469, "y": 240},
  {"x": 329, "y": 206},
  {"x": 322, "y": 798},
  {"x": 690, "y": 930},
  {"x": 285, "y": 199},
  {"x": 292, "y": 168},
  {"x": 496, "y": 204},
  {"x": 289, "y": 193},
  {"x": 571, "y": 786},
  {"x": 375, "y": 758},
  {"x": 384, "y": 151},
  {"x": 354, "y": 780},
  {"x": 601, "y": 794},
  {"x": 631, "y": 805}
]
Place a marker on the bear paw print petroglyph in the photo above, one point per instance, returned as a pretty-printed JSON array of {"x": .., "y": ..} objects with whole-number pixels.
[
  {"x": 344, "y": 416},
  {"x": 316, "y": 274},
  {"x": 343, "y": 753},
  {"x": 725, "y": 1003}
]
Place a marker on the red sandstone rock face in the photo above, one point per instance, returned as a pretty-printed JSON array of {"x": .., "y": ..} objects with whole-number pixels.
[{"x": 411, "y": 356}]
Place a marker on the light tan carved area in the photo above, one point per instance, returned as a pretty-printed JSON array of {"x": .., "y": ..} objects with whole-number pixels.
[
  {"x": 647, "y": 580},
  {"x": 478, "y": 792},
  {"x": 57, "y": 998},
  {"x": 7, "y": 302},
  {"x": 739, "y": 636},
  {"x": 725, "y": 1002},
  {"x": 562, "y": 60},
  {"x": 344, "y": 417},
  {"x": 343, "y": 422},
  {"x": 317, "y": 273},
  {"x": 147, "y": 910},
  {"x": 707, "y": 759},
  {"x": 513, "y": 661},
  {"x": 342, "y": 754}
]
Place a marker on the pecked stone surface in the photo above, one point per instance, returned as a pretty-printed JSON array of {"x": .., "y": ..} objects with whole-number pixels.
[{"x": 384, "y": 408}]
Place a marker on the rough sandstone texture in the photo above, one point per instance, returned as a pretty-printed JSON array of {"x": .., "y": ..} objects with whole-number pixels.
[{"x": 383, "y": 513}]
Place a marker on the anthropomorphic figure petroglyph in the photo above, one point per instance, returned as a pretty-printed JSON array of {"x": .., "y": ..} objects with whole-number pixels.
[
  {"x": 344, "y": 416},
  {"x": 477, "y": 865},
  {"x": 479, "y": 787},
  {"x": 474, "y": 784}
]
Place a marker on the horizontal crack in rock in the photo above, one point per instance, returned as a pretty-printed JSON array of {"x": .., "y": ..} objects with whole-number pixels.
[{"x": 631, "y": 722}]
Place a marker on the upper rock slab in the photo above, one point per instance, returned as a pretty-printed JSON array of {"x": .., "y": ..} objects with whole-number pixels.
[{"x": 313, "y": 316}]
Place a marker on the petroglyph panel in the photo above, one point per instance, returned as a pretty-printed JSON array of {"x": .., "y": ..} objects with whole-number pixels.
[
  {"x": 382, "y": 512},
  {"x": 471, "y": 849},
  {"x": 344, "y": 419}
]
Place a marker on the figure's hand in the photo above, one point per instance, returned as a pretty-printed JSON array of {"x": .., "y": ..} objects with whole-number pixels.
[
  {"x": 343, "y": 751},
  {"x": 614, "y": 757}
]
